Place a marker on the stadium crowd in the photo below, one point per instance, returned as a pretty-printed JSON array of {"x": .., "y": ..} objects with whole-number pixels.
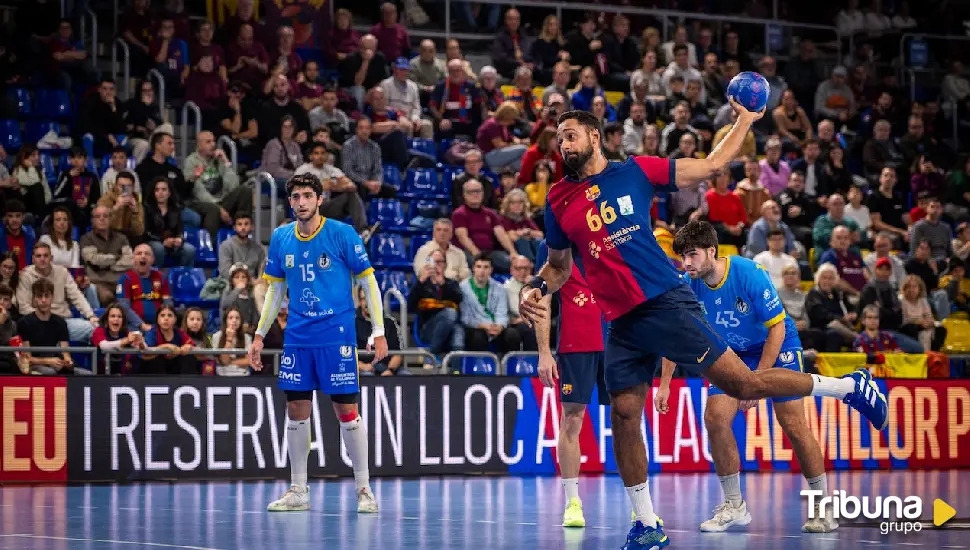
[{"x": 850, "y": 193}]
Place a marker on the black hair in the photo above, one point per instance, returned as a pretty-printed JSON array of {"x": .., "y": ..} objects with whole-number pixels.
[
  {"x": 106, "y": 80},
  {"x": 103, "y": 320},
  {"x": 696, "y": 234},
  {"x": 148, "y": 199},
  {"x": 15, "y": 206},
  {"x": 483, "y": 257},
  {"x": 613, "y": 128},
  {"x": 242, "y": 215},
  {"x": 775, "y": 233},
  {"x": 6, "y": 291},
  {"x": 677, "y": 78},
  {"x": 318, "y": 145},
  {"x": 119, "y": 149},
  {"x": 78, "y": 151},
  {"x": 304, "y": 180},
  {"x": 125, "y": 174},
  {"x": 584, "y": 118},
  {"x": 680, "y": 48},
  {"x": 157, "y": 138}
]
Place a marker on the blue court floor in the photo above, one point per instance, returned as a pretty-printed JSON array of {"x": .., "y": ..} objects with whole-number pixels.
[{"x": 440, "y": 513}]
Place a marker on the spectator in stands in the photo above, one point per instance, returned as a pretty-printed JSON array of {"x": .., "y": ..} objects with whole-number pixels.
[
  {"x": 456, "y": 262},
  {"x": 884, "y": 296},
  {"x": 327, "y": 114},
  {"x": 216, "y": 189},
  {"x": 882, "y": 249},
  {"x": 485, "y": 311},
  {"x": 206, "y": 88},
  {"x": 71, "y": 63},
  {"x": 516, "y": 215},
  {"x": 361, "y": 162},
  {"x": 955, "y": 85},
  {"x": 926, "y": 179},
  {"x": 165, "y": 335},
  {"x": 670, "y": 136},
  {"x": 554, "y": 106},
  {"x": 10, "y": 275},
  {"x": 106, "y": 253},
  {"x": 136, "y": 29},
  {"x": 127, "y": 215},
  {"x": 671, "y": 47},
  {"x": 582, "y": 43},
  {"x": 158, "y": 166},
  {"x": 546, "y": 148},
  {"x": 170, "y": 56},
  {"x": 474, "y": 162},
  {"x": 44, "y": 328},
  {"x": 958, "y": 189},
  {"x": 687, "y": 148},
  {"x": 102, "y": 118},
  {"x": 203, "y": 46},
  {"x": 790, "y": 120},
  {"x": 749, "y": 146},
  {"x": 65, "y": 289},
  {"x": 342, "y": 39},
  {"x": 774, "y": 173},
  {"x": 496, "y": 140},
  {"x": 835, "y": 217},
  {"x": 340, "y": 198},
  {"x": 142, "y": 116},
  {"x": 813, "y": 168},
  {"x": 848, "y": 262},
  {"x": 391, "y": 35},
  {"x": 547, "y": 50},
  {"x": 164, "y": 227},
  {"x": 64, "y": 249},
  {"x": 803, "y": 73},
  {"x": 247, "y": 59},
  {"x": 362, "y": 70},
  {"x": 510, "y": 49},
  {"x": 859, "y": 213},
  {"x": 478, "y": 229},
  {"x": 639, "y": 94},
  {"x": 277, "y": 108},
  {"x": 238, "y": 295},
  {"x": 237, "y": 119},
  {"x": 836, "y": 177},
  {"x": 142, "y": 290},
  {"x": 284, "y": 53},
  {"x": 725, "y": 211},
  {"x": 871, "y": 340},
  {"x": 436, "y": 296},
  {"x": 242, "y": 248},
  {"x": 193, "y": 324},
  {"x": 648, "y": 75},
  {"x": 584, "y": 97},
  {"x": 456, "y": 104},
  {"x": 834, "y": 98},
  {"x": 282, "y": 154},
  {"x": 917, "y": 141},
  {"x": 918, "y": 321},
  {"x": 522, "y": 269},
  {"x": 560, "y": 83},
  {"x": 232, "y": 336},
  {"x": 621, "y": 52},
  {"x": 403, "y": 97},
  {"x": 751, "y": 189},
  {"x": 774, "y": 259},
  {"x": 829, "y": 310},
  {"x": 118, "y": 164},
  {"x": 113, "y": 334},
  {"x": 307, "y": 89},
  {"x": 700, "y": 109},
  {"x": 31, "y": 183},
  {"x": 680, "y": 66},
  {"x": 769, "y": 220},
  {"x": 78, "y": 188},
  {"x": 922, "y": 265},
  {"x": 768, "y": 68},
  {"x": 650, "y": 42},
  {"x": 634, "y": 128},
  {"x": 935, "y": 231},
  {"x": 887, "y": 210},
  {"x": 612, "y": 147},
  {"x": 827, "y": 138},
  {"x": 793, "y": 300},
  {"x": 713, "y": 81},
  {"x": 392, "y": 365},
  {"x": 522, "y": 96},
  {"x": 389, "y": 129},
  {"x": 426, "y": 69}
]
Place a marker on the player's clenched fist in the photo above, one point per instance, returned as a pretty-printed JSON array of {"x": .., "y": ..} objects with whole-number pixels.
[
  {"x": 255, "y": 359},
  {"x": 530, "y": 305}
]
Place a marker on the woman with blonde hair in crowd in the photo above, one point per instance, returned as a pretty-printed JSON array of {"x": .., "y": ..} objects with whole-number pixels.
[
  {"x": 548, "y": 49},
  {"x": 918, "y": 320},
  {"x": 829, "y": 310},
  {"x": 496, "y": 140},
  {"x": 517, "y": 220}
]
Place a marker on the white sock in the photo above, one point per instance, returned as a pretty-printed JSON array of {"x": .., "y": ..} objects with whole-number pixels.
[
  {"x": 642, "y": 504},
  {"x": 571, "y": 486},
  {"x": 731, "y": 485},
  {"x": 832, "y": 387},
  {"x": 355, "y": 438},
  {"x": 818, "y": 483},
  {"x": 298, "y": 446}
]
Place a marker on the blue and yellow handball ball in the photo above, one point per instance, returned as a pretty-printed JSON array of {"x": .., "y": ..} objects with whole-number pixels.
[{"x": 750, "y": 89}]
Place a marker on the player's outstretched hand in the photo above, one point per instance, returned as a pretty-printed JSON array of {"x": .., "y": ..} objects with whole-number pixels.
[
  {"x": 255, "y": 359},
  {"x": 745, "y": 405},
  {"x": 548, "y": 373},
  {"x": 660, "y": 400},
  {"x": 744, "y": 113},
  {"x": 530, "y": 306},
  {"x": 379, "y": 348}
]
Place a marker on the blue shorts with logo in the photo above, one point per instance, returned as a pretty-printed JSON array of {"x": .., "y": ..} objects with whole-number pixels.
[
  {"x": 330, "y": 369},
  {"x": 579, "y": 374},
  {"x": 790, "y": 357},
  {"x": 671, "y": 325}
]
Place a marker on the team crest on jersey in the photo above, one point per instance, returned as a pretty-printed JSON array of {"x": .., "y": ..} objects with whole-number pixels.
[
  {"x": 346, "y": 351},
  {"x": 594, "y": 249},
  {"x": 306, "y": 254},
  {"x": 787, "y": 357},
  {"x": 567, "y": 389},
  {"x": 289, "y": 261},
  {"x": 156, "y": 285},
  {"x": 626, "y": 205},
  {"x": 323, "y": 261},
  {"x": 742, "y": 306},
  {"x": 580, "y": 299},
  {"x": 767, "y": 294},
  {"x": 593, "y": 193}
]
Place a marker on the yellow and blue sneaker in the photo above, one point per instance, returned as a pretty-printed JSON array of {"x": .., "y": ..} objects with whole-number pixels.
[
  {"x": 642, "y": 537},
  {"x": 573, "y": 516}
]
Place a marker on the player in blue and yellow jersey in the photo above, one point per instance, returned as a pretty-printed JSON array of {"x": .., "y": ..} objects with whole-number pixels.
[
  {"x": 603, "y": 215},
  {"x": 318, "y": 259},
  {"x": 739, "y": 300}
]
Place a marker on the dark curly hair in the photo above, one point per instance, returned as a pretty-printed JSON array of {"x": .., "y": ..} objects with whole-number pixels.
[
  {"x": 696, "y": 234},
  {"x": 304, "y": 180}
]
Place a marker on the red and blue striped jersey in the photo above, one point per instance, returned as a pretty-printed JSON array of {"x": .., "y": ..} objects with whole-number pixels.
[{"x": 605, "y": 220}]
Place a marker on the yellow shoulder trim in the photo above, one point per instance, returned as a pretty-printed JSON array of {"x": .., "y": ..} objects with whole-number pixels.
[
  {"x": 365, "y": 272},
  {"x": 775, "y": 320}
]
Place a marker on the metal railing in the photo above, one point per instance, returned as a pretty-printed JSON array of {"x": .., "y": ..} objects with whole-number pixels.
[
  {"x": 228, "y": 143},
  {"x": 88, "y": 13},
  {"x": 155, "y": 74},
  {"x": 184, "y": 130},
  {"x": 504, "y": 366},
  {"x": 53, "y": 349},
  {"x": 195, "y": 351},
  {"x": 125, "y": 64},
  {"x": 403, "y": 317},
  {"x": 426, "y": 355},
  {"x": 459, "y": 354},
  {"x": 258, "y": 207}
]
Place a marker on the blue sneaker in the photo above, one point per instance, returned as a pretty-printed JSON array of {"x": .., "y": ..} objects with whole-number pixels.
[
  {"x": 642, "y": 537},
  {"x": 867, "y": 399}
]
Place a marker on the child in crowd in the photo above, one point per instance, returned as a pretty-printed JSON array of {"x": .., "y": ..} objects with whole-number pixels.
[
  {"x": 166, "y": 336},
  {"x": 112, "y": 333},
  {"x": 78, "y": 188},
  {"x": 193, "y": 324},
  {"x": 232, "y": 336},
  {"x": 239, "y": 295}
]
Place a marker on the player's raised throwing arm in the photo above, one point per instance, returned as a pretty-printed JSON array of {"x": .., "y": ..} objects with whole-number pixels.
[{"x": 691, "y": 171}]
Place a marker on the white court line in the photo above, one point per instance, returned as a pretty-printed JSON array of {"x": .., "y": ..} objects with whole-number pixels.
[
  {"x": 828, "y": 538},
  {"x": 869, "y": 541},
  {"x": 210, "y": 510},
  {"x": 410, "y": 518},
  {"x": 526, "y": 523},
  {"x": 485, "y": 521},
  {"x": 910, "y": 543},
  {"x": 134, "y": 542},
  {"x": 953, "y": 547}
]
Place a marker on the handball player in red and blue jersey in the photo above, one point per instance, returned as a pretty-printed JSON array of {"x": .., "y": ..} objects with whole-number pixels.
[{"x": 603, "y": 215}]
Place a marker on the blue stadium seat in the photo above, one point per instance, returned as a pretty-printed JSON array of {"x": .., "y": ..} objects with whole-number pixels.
[
  {"x": 25, "y": 106},
  {"x": 10, "y": 136},
  {"x": 448, "y": 175},
  {"x": 424, "y": 146},
  {"x": 387, "y": 250},
  {"x": 34, "y": 130},
  {"x": 205, "y": 254},
  {"x": 75, "y": 233},
  {"x": 429, "y": 210},
  {"x": 390, "y": 213},
  {"x": 54, "y": 104},
  {"x": 50, "y": 167},
  {"x": 224, "y": 233},
  {"x": 214, "y": 323},
  {"x": 392, "y": 176},
  {"x": 523, "y": 366},
  {"x": 417, "y": 241},
  {"x": 421, "y": 183},
  {"x": 480, "y": 366},
  {"x": 501, "y": 277},
  {"x": 398, "y": 280},
  {"x": 186, "y": 284},
  {"x": 443, "y": 147}
]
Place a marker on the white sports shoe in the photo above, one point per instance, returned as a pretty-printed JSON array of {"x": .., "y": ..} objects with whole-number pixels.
[
  {"x": 727, "y": 515},
  {"x": 293, "y": 500},
  {"x": 821, "y": 523},
  {"x": 366, "y": 503}
]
